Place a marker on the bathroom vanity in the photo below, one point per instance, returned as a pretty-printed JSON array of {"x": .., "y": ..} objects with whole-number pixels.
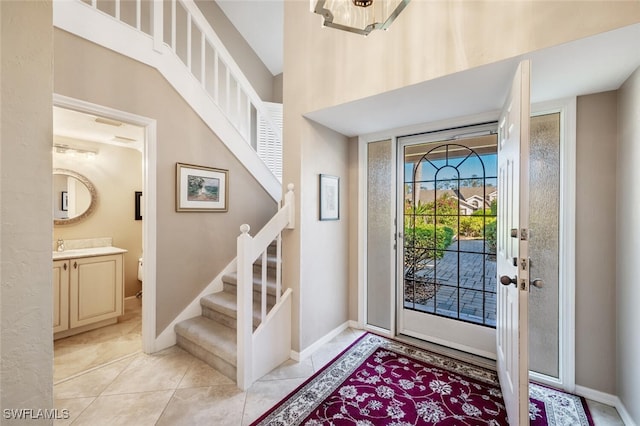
[{"x": 88, "y": 289}]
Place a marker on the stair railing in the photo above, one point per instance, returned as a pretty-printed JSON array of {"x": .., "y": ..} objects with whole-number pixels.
[
  {"x": 269, "y": 345},
  {"x": 177, "y": 26}
]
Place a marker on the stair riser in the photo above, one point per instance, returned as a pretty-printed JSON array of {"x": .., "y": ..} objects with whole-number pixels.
[
  {"x": 228, "y": 321},
  {"x": 214, "y": 361},
  {"x": 231, "y": 288},
  {"x": 219, "y": 317}
]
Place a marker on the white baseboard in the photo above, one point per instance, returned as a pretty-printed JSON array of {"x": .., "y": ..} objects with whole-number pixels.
[
  {"x": 168, "y": 336},
  {"x": 355, "y": 324},
  {"x": 608, "y": 399},
  {"x": 306, "y": 353}
]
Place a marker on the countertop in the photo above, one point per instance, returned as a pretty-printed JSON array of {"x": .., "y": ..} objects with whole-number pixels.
[{"x": 87, "y": 252}]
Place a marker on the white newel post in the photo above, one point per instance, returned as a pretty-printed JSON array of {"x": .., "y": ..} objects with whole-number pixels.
[{"x": 244, "y": 319}]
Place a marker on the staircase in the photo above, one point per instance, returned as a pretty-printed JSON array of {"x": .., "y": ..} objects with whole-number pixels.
[
  {"x": 244, "y": 330},
  {"x": 211, "y": 337}
]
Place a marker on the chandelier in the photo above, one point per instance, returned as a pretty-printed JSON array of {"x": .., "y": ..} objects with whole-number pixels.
[{"x": 358, "y": 16}]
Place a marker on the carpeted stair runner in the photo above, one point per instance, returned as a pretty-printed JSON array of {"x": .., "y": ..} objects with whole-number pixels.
[{"x": 211, "y": 337}]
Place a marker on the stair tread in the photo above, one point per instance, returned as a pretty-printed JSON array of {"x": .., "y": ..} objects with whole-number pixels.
[
  {"x": 210, "y": 335},
  {"x": 226, "y": 303}
]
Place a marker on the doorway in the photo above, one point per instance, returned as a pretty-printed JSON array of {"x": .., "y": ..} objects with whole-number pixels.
[
  {"x": 552, "y": 334},
  {"x": 123, "y": 136},
  {"x": 446, "y": 265}
]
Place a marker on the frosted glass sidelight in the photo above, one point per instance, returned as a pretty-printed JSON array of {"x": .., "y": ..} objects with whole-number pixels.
[
  {"x": 380, "y": 213},
  {"x": 544, "y": 219}
]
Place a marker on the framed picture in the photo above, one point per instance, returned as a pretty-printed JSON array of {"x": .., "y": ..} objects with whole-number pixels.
[
  {"x": 201, "y": 189},
  {"x": 329, "y": 197},
  {"x": 138, "y": 204},
  {"x": 64, "y": 201}
]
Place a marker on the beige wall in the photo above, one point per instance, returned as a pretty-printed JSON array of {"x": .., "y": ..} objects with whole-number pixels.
[
  {"x": 316, "y": 252},
  {"x": 116, "y": 173},
  {"x": 192, "y": 248},
  {"x": 277, "y": 88},
  {"x": 596, "y": 241},
  {"x": 628, "y": 249},
  {"x": 26, "y": 308},
  {"x": 435, "y": 38},
  {"x": 253, "y": 68}
]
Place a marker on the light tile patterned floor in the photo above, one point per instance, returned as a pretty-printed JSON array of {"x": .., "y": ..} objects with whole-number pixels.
[{"x": 172, "y": 387}]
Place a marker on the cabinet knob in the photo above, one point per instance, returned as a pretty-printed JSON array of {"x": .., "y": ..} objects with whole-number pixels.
[
  {"x": 75, "y": 265},
  {"x": 65, "y": 266}
]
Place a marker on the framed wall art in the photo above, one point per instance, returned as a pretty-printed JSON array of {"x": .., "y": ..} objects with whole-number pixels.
[
  {"x": 201, "y": 189},
  {"x": 329, "y": 197}
]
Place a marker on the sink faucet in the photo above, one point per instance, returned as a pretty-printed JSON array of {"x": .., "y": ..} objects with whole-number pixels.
[{"x": 60, "y": 244}]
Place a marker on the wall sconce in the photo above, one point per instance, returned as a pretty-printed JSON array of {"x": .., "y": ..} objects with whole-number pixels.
[
  {"x": 358, "y": 16},
  {"x": 72, "y": 151}
]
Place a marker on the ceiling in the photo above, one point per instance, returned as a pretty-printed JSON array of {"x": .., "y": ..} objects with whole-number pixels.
[
  {"x": 72, "y": 128},
  {"x": 264, "y": 35}
]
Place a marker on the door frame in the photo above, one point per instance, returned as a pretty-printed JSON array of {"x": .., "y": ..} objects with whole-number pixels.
[
  {"x": 567, "y": 262},
  {"x": 567, "y": 108},
  {"x": 149, "y": 191}
]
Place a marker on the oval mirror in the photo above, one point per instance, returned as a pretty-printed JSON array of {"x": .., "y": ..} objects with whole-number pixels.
[{"x": 74, "y": 197}]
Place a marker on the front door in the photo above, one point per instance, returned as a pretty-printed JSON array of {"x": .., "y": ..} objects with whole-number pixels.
[
  {"x": 513, "y": 249},
  {"x": 446, "y": 262}
]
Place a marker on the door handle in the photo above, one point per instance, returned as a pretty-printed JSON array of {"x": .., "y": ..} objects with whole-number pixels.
[
  {"x": 538, "y": 283},
  {"x": 507, "y": 280}
]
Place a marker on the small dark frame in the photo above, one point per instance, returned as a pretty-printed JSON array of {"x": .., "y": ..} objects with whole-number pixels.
[
  {"x": 329, "y": 197},
  {"x": 138, "y": 198},
  {"x": 64, "y": 201}
]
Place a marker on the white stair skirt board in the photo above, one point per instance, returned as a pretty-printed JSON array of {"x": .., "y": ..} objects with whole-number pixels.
[
  {"x": 168, "y": 336},
  {"x": 273, "y": 335}
]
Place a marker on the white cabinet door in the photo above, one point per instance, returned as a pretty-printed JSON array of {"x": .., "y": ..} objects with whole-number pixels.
[
  {"x": 60, "y": 295},
  {"x": 96, "y": 289}
]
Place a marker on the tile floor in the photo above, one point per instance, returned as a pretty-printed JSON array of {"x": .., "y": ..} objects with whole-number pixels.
[{"x": 103, "y": 378}]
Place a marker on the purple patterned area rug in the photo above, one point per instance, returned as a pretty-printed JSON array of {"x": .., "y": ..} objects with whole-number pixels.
[{"x": 378, "y": 381}]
